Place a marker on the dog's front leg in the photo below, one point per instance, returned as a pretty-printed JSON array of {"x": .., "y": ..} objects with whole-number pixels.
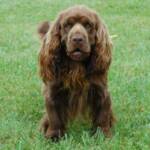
[
  {"x": 101, "y": 111},
  {"x": 56, "y": 101}
]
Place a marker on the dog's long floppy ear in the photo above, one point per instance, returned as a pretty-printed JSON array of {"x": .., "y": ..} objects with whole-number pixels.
[
  {"x": 51, "y": 42},
  {"x": 101, "y": 58}
]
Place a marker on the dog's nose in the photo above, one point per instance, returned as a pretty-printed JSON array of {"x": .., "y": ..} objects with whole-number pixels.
[{"x": 77, "y": 39}]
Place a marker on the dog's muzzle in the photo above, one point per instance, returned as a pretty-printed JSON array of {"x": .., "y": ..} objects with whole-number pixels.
[{"x": 78, "y": 45}]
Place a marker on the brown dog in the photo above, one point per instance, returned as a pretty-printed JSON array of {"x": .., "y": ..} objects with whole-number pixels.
[{"x": 74, "y": 62}]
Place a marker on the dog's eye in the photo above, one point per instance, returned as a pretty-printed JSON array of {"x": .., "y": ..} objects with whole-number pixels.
[
  {"x": 88, "y": 26},
  {"x": 68, "y": 26}
]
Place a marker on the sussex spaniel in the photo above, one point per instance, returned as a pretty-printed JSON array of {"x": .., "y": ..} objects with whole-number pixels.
[{"x": 74, "y": 62}]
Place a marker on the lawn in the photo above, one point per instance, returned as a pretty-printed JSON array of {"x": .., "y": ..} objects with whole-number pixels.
[{"x": 21, "y": 101}]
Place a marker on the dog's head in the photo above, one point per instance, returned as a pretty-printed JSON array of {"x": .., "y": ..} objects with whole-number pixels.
[
  {"x": 83, "y": 34},
  {"x": 78, "y": 26}
]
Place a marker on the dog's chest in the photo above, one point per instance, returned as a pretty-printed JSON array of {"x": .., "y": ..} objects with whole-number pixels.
[
  {"x": 78, "y": 85},
  {"x": 78, "y": 104},
  {"x": 75, "y": 77}
]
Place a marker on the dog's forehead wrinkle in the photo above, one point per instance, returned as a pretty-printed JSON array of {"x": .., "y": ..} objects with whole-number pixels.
[
  {"x": 78, "y": 16},
  {"x": 79, "y": 13}
]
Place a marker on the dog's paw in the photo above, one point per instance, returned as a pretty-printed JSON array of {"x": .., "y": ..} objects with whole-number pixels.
[
  {"x": 49, "y": 133},
  {"x": 107, "y": 132},
  {"x": 54, "y": 135}
]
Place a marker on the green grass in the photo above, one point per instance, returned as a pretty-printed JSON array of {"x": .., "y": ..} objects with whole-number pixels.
[{"x": 21, "y": 101}]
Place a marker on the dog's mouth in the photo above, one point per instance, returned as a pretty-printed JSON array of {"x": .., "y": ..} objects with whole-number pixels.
[{"x": 78, "y": 54}]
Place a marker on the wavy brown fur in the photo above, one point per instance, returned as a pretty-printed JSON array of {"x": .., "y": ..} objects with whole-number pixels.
[{"x": 73, "y": 87}]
